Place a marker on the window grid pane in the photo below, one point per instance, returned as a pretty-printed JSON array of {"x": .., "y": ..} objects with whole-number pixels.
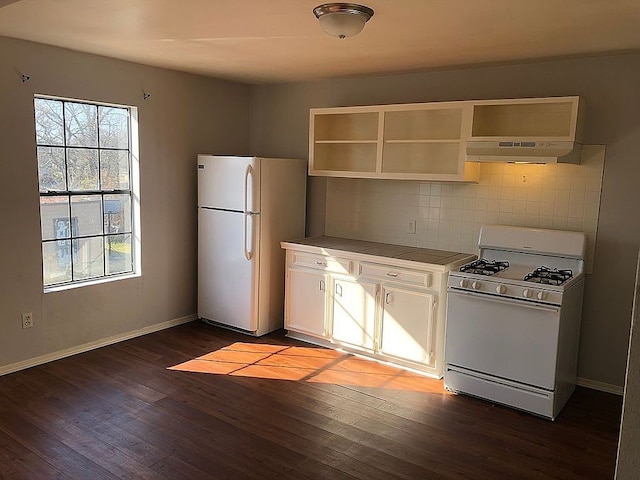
[{"x": 85, "y": 190}]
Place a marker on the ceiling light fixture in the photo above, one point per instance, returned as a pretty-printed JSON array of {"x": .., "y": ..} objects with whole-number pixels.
[{"x": 342, "y": 19}]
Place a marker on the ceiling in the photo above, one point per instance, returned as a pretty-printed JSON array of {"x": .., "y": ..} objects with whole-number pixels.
[{"x": 259, "y": 41}]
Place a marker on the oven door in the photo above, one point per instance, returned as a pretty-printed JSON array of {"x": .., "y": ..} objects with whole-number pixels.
[{"x": 510, "y": 339}]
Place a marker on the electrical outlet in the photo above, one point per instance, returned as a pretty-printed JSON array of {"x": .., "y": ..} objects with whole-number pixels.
[
  {"x": 411, "y": 227},
  {"x": 27, "y": 320}
]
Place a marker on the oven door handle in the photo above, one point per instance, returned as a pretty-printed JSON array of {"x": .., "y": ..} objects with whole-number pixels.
[{"x": 480, "y": 296}]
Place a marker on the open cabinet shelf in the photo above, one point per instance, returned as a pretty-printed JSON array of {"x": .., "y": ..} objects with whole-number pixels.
[
  {"x": 411, "y": 142},
  {"x": 553, "y": 119}
]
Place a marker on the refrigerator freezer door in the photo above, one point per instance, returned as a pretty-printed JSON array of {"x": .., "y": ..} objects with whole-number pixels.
[
  {"x": 229, "y": 183},
  {"x": 227, "y": 280}
]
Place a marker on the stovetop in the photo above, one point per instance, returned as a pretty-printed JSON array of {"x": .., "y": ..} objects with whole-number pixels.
[
  {"x": 523, "y": 264},
  {"x": 502, "y": 269},
  {"x": 511, "y": 279},
  {"x": 549, "y": 276}
]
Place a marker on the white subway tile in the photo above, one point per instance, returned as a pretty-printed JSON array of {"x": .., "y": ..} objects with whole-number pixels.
[
  {"x": 506, "y": 205},
  {"x": 493, "y": 204},
  {"x": 578, "y": 183},
  {"x": 594, "y": 184},
  {"x": 508, "y": 193},
  {"x": 481, "y": 217},
  {"x": 546, "y": 221},
  {"x": 533, "y": 208},
  {"x": 457, "y": 202},
  {"x": 506, "y": 218},
  {"x": 450, "y": 215},
  {"x": 546, "y": 208},
  {"x": 509, "y": 180},
  {"x": 574, "y": 224},
  {"x": 481, "y": 204},
  {"x": 519, "y": 220},
  {"x": 532, "y": 220},
  {"x": 576, "y": 210},
  {"x": 560, "y": 210},
  {"x": 519, "y": 206},
  {"x": 563, "y": 183},
  {"x": 493, "y": 218},
  {"x": 562, "y": 196},
  {"x": 560, "y": 223}
]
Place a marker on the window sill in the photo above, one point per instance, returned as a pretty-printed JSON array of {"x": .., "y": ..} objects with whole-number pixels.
[{"x": 95, "y": 281}]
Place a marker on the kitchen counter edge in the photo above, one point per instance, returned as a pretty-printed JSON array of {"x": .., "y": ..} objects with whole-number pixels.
[{"x": 396, "y": 255}]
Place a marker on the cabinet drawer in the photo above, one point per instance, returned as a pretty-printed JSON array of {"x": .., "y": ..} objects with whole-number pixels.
[
  {"x": 321, "y": 262},
  {"x": 386, "y": 272}
]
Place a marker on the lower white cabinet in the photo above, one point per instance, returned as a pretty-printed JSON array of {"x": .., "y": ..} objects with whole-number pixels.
[
  {"x": 306, "y": 308},
  {"x": 354, "y": 312},
  {"x": 407, "y": 325},
  {"x": 383, "y": 307}
]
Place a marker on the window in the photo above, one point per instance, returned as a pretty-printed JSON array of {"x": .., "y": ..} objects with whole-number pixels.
[{"x": 87, "y": 189}]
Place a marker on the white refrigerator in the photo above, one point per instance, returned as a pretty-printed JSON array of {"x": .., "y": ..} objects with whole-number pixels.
[{"x": 246, "y": 207}]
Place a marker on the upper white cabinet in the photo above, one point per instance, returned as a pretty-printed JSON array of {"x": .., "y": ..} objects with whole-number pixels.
[
  {"x": 431, "y": 141},
  {"x": 538, "y": 119},
  {"x": 345, "y": 141},
  {"x": 407, "y": 142}
]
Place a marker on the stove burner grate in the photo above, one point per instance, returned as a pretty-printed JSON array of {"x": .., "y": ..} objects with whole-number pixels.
[
  {"x": 548, "y": 276},
  {"x": 484, "y": 267}
]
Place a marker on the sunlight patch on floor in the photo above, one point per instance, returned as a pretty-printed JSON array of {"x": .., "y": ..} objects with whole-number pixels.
[{"x": 307, "y": 364}]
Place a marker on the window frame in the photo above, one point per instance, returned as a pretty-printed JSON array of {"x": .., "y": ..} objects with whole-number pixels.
[{"x": 133, "y": 194}]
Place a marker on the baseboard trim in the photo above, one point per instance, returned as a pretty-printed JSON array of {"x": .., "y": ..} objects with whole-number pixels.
[
  {"x": 67, "y": 352},
  {"x": 603, "y": 387}
]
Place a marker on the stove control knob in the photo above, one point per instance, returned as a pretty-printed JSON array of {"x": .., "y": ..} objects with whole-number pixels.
[
  {"x": 542, "y": 295},
  {"x": 475, "y": 285},
  {"x": 501, "y": 289},
  {"x": 527, "y": 293},
  {"x": 463, "y": 283}
]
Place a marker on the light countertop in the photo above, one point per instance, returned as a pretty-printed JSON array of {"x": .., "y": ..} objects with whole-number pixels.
[{"x": 398, "y": 252}]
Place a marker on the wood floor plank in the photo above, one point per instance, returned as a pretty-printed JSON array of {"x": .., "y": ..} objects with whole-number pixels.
[{"x": 291, "y": 411}]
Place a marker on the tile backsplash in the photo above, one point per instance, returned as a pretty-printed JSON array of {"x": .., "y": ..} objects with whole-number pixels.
[{"x": 448, "y": 216}]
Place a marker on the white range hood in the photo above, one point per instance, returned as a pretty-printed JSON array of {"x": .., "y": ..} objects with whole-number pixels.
[{"x": 525, "y": 151}]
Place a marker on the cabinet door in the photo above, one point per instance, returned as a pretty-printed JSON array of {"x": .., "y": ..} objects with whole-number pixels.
[
  {"x": 407, "y": 325},
  {"x": 306, "y": 302},
  {"x": 354, "y": 306}
]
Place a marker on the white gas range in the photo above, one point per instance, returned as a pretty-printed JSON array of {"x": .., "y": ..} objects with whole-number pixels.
[{"x": 513, "y": 319}]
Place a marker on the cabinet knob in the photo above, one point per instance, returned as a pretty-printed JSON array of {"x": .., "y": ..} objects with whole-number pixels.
[{"x": 392, "y": 274}]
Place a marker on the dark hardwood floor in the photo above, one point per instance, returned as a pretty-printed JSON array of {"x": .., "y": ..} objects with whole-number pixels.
[{"x": 198, "y": 402}]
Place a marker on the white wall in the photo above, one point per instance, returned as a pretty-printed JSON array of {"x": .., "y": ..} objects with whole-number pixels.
[
  {"x": 609, "y": 85},
  {"x": 185, "y": 115},
  {"x": 628, "y": 463}
]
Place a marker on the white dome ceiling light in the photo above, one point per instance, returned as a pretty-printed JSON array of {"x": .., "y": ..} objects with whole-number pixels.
[{"x": 342, "y": 19}]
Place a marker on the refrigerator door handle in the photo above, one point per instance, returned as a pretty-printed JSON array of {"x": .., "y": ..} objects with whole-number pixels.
[
  {"x": 248, "y": 254},
  {"x": 247, "y": 172}
]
